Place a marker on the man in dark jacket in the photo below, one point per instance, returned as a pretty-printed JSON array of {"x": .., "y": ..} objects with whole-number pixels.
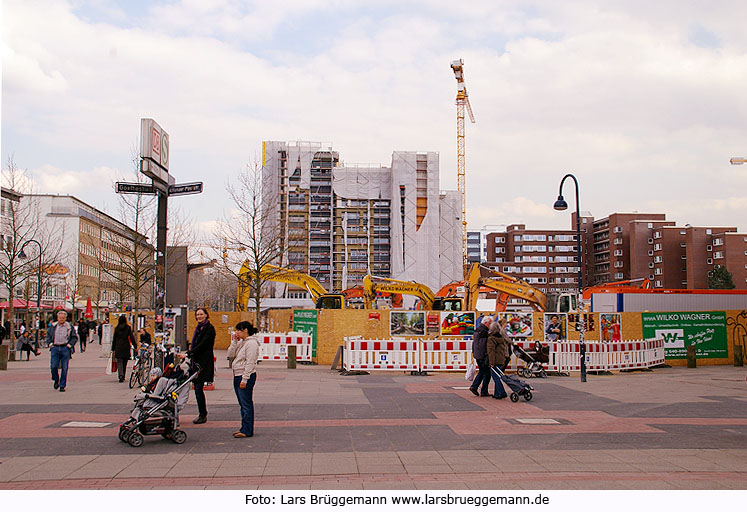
[
  {"x": 480, "y": 353},
  {"x": 61, "y": 338}
]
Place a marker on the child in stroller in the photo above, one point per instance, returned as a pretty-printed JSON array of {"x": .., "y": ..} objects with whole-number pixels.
[
  {"x": 157, "y": 406},
  {"x": 534, "y": 360}
]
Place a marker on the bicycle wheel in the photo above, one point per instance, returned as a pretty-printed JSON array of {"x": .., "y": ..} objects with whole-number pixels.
[
  {"x": 145, "y": 366},
  {"x": 135, "y": 375}
]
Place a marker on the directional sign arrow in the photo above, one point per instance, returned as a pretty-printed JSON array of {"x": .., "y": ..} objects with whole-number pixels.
[
  {"x": 134, "y": 188},
  {"x": 183, "y": 189}
]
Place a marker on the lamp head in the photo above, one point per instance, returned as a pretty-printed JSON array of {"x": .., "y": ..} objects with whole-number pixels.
[
  {"x": 22, "y": 255},
  {"x": 560, "y": 204}
]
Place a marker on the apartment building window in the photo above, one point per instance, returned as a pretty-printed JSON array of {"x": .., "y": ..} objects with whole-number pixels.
[
  {"x": 657, "y": 247},
  {"x": 683, "y": 257},
  {"x": 500, "y": 250},
  {"x": 500, "y": 240},
  {"x": 540, "y": 238},
  {"x": 618, "y": 252},
  {"x": 618, "y": 275},
  {"x": 618, "y": 264},
  {"x": 650, "y": 225},
  {"x": 657, "y": 234},
  {"x": 517, "y": 238},
  {"x": 657, "y": 259},
  {"x": 650, "y": 253},
  {"x": 683, "y": 282},
  {"x": 528, "y": 238},
  {"x": 650, "y": 241},
  {"x": 657, "y": 284},
  {"x": 718, "y": 255},
  {"x": 708, "y": 231},
  {"x": 709, "y": 261},
  {"x": 658, "y": 271},
  {"x": 718, "y": 241},
  {"x": 617, "y": 229}
]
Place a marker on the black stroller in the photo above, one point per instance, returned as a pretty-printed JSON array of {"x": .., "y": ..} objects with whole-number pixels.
[
  {"x": 534, "y": 360},
  {"x": 158, "y": 412},
  {"x": 518, "y": 388}
]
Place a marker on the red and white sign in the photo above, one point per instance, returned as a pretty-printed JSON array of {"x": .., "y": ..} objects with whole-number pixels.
[{"x": 154, "y": 143}]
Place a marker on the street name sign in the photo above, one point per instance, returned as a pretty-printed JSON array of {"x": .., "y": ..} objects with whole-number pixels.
[
  {"x": 183, "y": 189},
  {"x": 135, "y": 188}
]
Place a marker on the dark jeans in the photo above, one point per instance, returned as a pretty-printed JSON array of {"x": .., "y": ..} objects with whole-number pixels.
[
  {"x": 200, "y": 398},
  {"x": 83, "y": 343},
  {"x": 483, "y": 375},
  {"x": 498, "y": 384},
  {"x": 121, "y": 368},
  {"x": 245, "y": 398},
  {"x": 60, "y": 357}
]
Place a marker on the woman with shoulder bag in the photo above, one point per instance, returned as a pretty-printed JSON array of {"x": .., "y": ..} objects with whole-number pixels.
[
  {"x": 122, "y": 344},
  {"x": 244, "y": 350}
]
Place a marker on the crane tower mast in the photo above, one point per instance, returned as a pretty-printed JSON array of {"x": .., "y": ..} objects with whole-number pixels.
[{"x": 462, "y": 102}]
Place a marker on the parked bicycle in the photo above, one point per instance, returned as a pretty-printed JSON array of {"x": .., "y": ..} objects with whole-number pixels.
[{"x": 141, "y": 367}]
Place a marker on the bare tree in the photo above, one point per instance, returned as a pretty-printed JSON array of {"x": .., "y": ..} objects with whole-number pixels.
[
  {"x": 126, "y": 258},
  {"x": 214, "y": 288},
  {"x": 250, "y": 237},
  {"x": 20, "y": 259}
]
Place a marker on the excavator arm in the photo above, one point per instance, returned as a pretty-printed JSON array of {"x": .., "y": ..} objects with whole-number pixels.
[
  {"x": 507, "y": 286},
  {"x": 373, "y": 284},
  {"x": 278, "y": 274}
]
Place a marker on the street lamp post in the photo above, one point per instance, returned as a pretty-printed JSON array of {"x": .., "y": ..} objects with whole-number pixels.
[
  {"x": 38, "y": 286},
  {"x": 561, "y": 205}
]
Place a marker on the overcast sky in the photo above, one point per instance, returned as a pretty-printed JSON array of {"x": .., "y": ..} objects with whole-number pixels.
[{"x": 643, "y": 101}]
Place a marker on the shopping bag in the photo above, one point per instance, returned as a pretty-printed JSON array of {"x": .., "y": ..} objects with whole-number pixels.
[
  {"x": 470, "y": 373},
  {"x": 111, "y": 365}
]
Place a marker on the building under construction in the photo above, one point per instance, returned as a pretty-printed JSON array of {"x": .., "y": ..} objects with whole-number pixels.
[{"x": 342, "y": 221}]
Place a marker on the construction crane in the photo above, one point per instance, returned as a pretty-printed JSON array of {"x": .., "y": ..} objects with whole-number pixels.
[{"x": 462, "y": 101}]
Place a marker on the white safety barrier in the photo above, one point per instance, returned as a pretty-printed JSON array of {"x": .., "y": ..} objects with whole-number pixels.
[
  {"x": 274, "y": 345},
  {"x": 455, "y": 354},
  {"x": 445, "y": 354},
  {"x": 393, "y": 354}
]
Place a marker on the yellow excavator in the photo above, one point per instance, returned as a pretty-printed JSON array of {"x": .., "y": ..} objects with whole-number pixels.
[
  {"x": 506, "y": 285},
  {"x": 428, "y": 300},
  {"x": 321, "y": 297}
]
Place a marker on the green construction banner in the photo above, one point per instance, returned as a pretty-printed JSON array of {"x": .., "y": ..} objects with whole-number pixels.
[
  {"x": 304, "y": 320},
  {"x": 705, "y": 330}
]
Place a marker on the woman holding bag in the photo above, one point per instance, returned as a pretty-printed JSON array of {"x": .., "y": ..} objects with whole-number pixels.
[
  {"x": 201, "y": 353},
  {"x": 244, "y": 350},
  {"x": 122, "y": 342}
]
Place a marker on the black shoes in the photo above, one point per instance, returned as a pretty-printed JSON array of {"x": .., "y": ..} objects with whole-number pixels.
[
  {"x": 62, "y": 390},
  {"x": 499, "y": 397},
  {"x": 56, "y": 385},
  {"x": 474, "y": 391},
  {"x": 199, "y": 419}
]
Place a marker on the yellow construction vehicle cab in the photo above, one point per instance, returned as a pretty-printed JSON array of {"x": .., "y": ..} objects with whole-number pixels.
[
  {"x": 428, "y": 300},
  {"x": 322, "y": 299}
]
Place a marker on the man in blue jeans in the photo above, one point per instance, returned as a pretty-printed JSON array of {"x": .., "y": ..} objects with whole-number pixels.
[{"x": 61, "y": 338}]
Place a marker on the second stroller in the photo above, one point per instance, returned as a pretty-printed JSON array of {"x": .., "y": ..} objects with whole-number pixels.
[{"x": 518, "y": 387}]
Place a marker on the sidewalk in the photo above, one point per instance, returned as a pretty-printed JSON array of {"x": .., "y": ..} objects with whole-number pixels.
[{"x": 673, "y": 428}]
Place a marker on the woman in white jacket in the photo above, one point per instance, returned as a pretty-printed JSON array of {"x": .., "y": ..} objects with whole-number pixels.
[{"x": 245, "y": 351}]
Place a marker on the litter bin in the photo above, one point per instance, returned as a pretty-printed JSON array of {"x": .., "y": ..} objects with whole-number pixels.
[{"x": 691, "y": 359}]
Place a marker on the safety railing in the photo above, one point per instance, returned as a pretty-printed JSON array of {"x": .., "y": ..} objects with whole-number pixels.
[
  {"x": 274, "y": 345},
  {"x": 454, "y": 355}
]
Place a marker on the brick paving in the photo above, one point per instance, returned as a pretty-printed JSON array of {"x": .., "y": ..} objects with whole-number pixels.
[{"x": 673, "y": 428}]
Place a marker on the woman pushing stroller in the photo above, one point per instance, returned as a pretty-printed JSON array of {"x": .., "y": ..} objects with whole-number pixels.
[{"x": 499, "y": 353}]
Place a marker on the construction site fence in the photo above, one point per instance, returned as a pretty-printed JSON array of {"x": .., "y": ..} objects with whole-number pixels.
[
  {"x": 428, "y": 355},
  {"x": 274, "y": 345}
]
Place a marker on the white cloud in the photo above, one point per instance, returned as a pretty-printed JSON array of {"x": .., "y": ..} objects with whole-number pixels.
[{"x": 619, "y": 95}]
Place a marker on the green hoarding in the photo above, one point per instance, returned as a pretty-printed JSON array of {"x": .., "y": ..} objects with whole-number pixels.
[
  {"x": 304, "y": 320},
  {"x": 705, "y": 330}
]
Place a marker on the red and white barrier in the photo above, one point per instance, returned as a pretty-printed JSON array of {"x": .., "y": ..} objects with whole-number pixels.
[
  {"x": 274, "y": 345},
  {"x": 392, "y": 354},
  {"x": 445, "y": 355}
]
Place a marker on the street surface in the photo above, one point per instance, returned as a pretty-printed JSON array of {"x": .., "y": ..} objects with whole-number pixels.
[{"x": 671, "y": 428}]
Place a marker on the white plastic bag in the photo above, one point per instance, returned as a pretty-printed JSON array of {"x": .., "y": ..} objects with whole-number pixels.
[
  {"x": 471, "y": 371},
  {"x": 109, "y": 364}
]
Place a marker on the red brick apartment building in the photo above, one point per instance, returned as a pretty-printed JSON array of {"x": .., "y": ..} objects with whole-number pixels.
[{"x": 618, "y": 247}]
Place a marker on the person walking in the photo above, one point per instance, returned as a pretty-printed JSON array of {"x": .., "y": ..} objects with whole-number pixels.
[
  {"x": 244, "y": 350},
  {"x": 498, "y": 354},
  {"x": 122, "y": 344},
  {"x": 201, "y": 353},
  {"x": 82, "y": 334},
  {"x": 480, "y": 353},
  {"x": 61, "y": 339},
  {"x": 99, "y": 330}
]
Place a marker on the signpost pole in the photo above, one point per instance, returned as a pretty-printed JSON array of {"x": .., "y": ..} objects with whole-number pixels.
[{"x": 161, "y": 260}]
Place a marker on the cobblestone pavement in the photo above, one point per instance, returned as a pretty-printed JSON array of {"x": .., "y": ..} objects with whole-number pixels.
[{"x": 671, "y": 428}]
